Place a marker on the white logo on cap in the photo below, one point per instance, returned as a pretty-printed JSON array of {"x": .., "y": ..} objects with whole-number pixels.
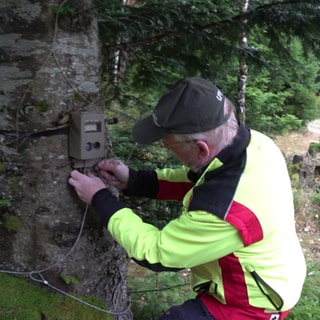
[
  {"x": 155, "y": 119},
  {"x": 275, "y": 317},
  {"x": 219, "y": 95}
]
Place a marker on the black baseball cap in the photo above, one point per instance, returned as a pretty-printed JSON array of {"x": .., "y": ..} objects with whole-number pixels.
[{"x": 191, "y": 105}]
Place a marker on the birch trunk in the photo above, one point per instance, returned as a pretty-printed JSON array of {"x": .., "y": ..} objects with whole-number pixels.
[{"x": 243, "y": 68}]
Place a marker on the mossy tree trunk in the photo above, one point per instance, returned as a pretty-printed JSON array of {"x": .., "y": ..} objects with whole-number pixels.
[{"x": 49, "y": 65}]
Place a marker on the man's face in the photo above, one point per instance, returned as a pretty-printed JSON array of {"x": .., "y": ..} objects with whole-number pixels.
[{"x": 185, "y": 150}]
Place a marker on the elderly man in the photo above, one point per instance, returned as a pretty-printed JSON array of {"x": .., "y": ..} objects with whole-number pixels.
[{"x": 236, "y": 231}]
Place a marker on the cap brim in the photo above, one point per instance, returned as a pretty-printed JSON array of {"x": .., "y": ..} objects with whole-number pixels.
[{"x": 146, "y": 132}]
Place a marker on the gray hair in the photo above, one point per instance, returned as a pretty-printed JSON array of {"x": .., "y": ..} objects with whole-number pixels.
[{"x": 217, "y": 138}]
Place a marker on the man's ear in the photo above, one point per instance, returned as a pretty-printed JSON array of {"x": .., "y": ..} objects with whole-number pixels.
[{"x": 204, "y": 151}]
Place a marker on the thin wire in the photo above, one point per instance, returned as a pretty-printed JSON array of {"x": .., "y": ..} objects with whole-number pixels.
[
  {"x": 61, "y": 259},
  {"x": 160, "y": 289},
  {"x": 71, "y": 250},
  {"x": 45, "y": 282}
]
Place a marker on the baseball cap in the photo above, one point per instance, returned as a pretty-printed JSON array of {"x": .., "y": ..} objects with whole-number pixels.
[{"x": 191, "y": 105}]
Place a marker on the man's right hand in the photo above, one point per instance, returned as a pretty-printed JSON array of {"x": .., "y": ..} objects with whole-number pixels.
[{"x": 115, "y": 172}]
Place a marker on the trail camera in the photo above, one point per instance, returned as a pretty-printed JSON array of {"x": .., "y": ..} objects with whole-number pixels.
[{"x": 86, "y": 138}]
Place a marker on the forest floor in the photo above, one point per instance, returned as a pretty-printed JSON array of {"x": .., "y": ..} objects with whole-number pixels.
[{"x": 308, "y": 212}]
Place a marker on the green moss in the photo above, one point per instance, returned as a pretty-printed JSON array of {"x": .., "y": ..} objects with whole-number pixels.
[
  {"x": 22, "y": 299},
  {"x": 295, "y": 177},
  {"x": 42, "y": 106},
  {"x": 314, "y": 147},
  {"x": 12, "y": 223},
  {"x": 2, "y": 167},
  {"x": 294, "y": 169},
  {"x": 4, "y": 202},
  {"x": 64, "y": 10},
  {"x": 69, "y": 279},
  {"x": 77, "y": 97}
]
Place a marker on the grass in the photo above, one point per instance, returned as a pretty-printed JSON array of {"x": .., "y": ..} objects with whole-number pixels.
[
  {"x": 308, "y": 305},
  {"x": 154, "y": 293},
  {"x": 20, "y": 299}
]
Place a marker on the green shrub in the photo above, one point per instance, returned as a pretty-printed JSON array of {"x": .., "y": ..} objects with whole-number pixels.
[
  {"x": 157, "y": 293},
  {"x": 308, "y": 305}
]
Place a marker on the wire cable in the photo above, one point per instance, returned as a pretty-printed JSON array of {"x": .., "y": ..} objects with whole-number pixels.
[{"x": 41, "y": 279}]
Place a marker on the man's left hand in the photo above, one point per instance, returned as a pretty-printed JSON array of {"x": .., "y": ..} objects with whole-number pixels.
[{"x": 85, "y": 185}]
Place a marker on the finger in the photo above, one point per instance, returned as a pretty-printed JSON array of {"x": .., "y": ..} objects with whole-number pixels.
[
  {"x": 111, "y": 179},
  {"x": 72, "y": 182},
  {"x": 91, "y": 175},
  {"x": 108, "y": 175},
  {"x": 76, "y": 174},
  {"x": 103, "y": 164}
]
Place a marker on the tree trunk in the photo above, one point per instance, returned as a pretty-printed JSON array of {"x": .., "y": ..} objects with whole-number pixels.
[
  {"x": 243, "y": 68},
  {"x": 50, "y": 61}
]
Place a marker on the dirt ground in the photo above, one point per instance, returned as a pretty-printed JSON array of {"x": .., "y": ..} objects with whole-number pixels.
[
  {"x": 307, "y": 221},
  {"x": 296, "y": 142}
]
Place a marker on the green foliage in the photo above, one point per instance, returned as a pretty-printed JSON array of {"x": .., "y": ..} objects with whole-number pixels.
[
  {"x": 20, "y": 299},
  {"x": 42, "y": 106},
  {"x": 315, "y": 197},
  {"x": 308, "y": 305},
  {"x": 2, "y": 166},
  {"x": 157, "y": 293},
  {"x": 294, "y": 168},
  {"x": 299, "y": 196},
  {"x": 77, "y": 97},
  {"x": 64, "y": 10},
  {"x": 314, "y": 147},
  {"x": 12, "y": 223},
  {"x": 282, "y": 97},
  {"x": 4, "y": 202},
  {"x": 69, "y": 280},
  {"x": 164, "y": 41}
]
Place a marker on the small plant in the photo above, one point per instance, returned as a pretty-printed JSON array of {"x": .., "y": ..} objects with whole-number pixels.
[
  {"x": 42, "y": 106},
  {"x": 64, "y": 10},
  {"x": 315, "y": 198},
  {"x": 158, "y": 292},
  {"x": 69, "y": 280},
  {"x": 77, "y": 97},
  {"x": 12, "y": 223},
  {"x": 2, "y": 167},
  {"x": 4, "y": 202},
  {"x": 314, "y": 148}
]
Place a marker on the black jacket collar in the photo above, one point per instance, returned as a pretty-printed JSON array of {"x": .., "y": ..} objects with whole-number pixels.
[{"x": 229, "y": 153}]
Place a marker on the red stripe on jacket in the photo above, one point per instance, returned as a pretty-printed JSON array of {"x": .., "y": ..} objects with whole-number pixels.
[
  {"x": 234, "y": 284},
  {"x": 169, "y": 190},
  {"x": 246, "y": 222}
]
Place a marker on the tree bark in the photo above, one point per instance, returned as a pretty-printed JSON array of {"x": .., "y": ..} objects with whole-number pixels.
[
  {"x": 50, "y": 59},
  {"x": 243, "y": 68}
]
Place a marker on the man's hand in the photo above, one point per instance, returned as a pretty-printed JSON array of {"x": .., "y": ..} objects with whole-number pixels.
[
  {"x": 115, "y": 172},
  {"x": 85, "y": 185}
]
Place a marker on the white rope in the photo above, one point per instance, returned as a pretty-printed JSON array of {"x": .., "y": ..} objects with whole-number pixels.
[{"x": 42, "y": 280}]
